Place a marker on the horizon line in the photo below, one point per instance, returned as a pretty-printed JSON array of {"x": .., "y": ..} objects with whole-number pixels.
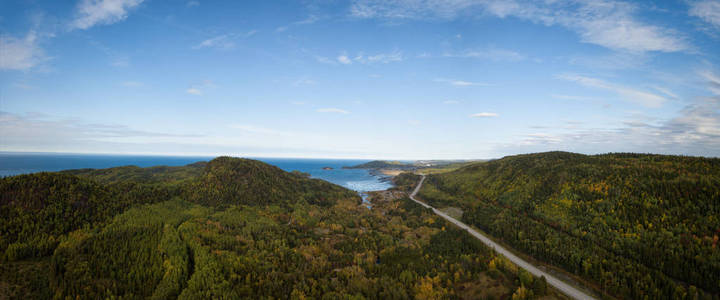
[{"x": 251, "y": 156}]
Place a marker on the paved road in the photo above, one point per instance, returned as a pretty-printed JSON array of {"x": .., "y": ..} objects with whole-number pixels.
[{"x": 552, "y": 280}]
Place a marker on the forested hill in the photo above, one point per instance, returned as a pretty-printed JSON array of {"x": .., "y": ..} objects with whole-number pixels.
[
  {"x": 233, "y": 228},
  {"x": 37, "y": 208},
  {"x": 382, "y": 164},
  {"x": 634, "y": 225},
  {"x": 157, "y": 174},
  {"x": 243, "y": 181}
]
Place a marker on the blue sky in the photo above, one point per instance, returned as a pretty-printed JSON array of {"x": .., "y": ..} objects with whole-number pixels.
[{"x": 404, "y": 79}]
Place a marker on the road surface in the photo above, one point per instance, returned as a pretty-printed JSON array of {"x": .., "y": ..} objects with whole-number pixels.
[{"x": 552, "y": 280}]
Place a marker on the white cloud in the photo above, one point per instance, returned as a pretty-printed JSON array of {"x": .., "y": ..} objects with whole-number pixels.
[
  {"x": 607, "y": 23},
  {"x": 384, "y": 58},
  {"x": 707, "y": 10},
  {"x": 493, "y": 54},
  {"x": 611, "y": 25},
  {"x": 224, "y": 42},
  {"x": 20, "y": 54},
  {"x": 218, "y": 42},
  {"x": 304, "y": 81},
  {"x": 460, "y": 82},
  {"x": 343, "y": 59},
  {"x": 309, "y": 20},
  {"x": 198, "y": 89},
  {"x": 449, "y": 102},
  {"x": 102, "y": 12},
  {"x": 192, "y": 3},
  {"x": 633, "y": 95},
  {"x": 333, "y": 110},
  {"x": 694, "y": 131},
  {"x": 713, "y": 81},
  {"x": 665, "y": 91},
  {"x": 484, "y": 115},
  {"x": 41, "y": 132}
]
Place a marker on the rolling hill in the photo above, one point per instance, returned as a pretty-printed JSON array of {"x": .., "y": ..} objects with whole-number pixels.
[
  {"x": 632, "y": 225},
  {"x": 233, "y": 228}
]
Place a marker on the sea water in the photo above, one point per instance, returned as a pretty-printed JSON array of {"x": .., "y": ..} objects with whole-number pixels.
[{"x": 15, "y": 163}]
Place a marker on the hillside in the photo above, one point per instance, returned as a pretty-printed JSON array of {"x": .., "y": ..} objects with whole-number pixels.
[
  {"x": 237, "y": 229},
  {"x": 382, "y": 164},
  {"x": 159, "y": 174},
  {"x": 633, "y": 225}
]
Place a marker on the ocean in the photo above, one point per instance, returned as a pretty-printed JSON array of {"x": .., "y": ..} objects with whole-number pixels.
[{"x": 13, "y": 163}]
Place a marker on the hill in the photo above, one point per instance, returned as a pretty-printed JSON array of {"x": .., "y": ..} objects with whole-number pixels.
[
  {"x": 632, "y": 225},
  {"x": 382, "y": 164},
  {"x": 236, "y": 229},
  {"x": 159, "y": 174}
]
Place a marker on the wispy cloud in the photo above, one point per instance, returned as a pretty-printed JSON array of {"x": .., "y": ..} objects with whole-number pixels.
[
  {"x": 384, "y": 58},
  {"x": 644, "y": 98},
  {"x": 21, "y": 53},
  {"x": 225, "y": 41},
  {"x": 695, "y": 130},
  {"x": 102, "y": 12},
  {"x": 493, "y": 54},
  {"x": 304, "y": 82},
  {"x": 41, "y": 132},
  {"x": 461, "y": 82},
  {"x": 194, "y": 91},
  {"x": 484, "y": 115},
  {"x": 345, "y": 59},
  {"x": 333, "y": 110},
  {"x": 309, "y": 20},
  {"x": 666, "y": 91},
  {"x": 607, "y": 23},
  {"x": 712, "y": 80},
  {"x": 198, "y": 89},
  {"x": 707, "y": 10},
  {"x": 449, "y": 102},
  {"x": 192, "y": 3}
]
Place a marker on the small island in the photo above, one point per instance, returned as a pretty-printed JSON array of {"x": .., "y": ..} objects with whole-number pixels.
[{"x": 327, "y": 168}]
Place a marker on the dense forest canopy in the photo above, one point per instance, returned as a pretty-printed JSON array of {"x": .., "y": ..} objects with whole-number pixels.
[
  {"x": 234, "y": 228},
  {"x": 633, "y": 225}
]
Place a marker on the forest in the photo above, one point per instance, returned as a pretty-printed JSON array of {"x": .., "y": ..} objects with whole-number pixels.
[
  {"x": 234, "y": 228},
  {"x": 633, "y": 226}
]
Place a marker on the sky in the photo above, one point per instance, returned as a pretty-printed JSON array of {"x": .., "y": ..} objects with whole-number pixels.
[{"x": 374, "y": 79}]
